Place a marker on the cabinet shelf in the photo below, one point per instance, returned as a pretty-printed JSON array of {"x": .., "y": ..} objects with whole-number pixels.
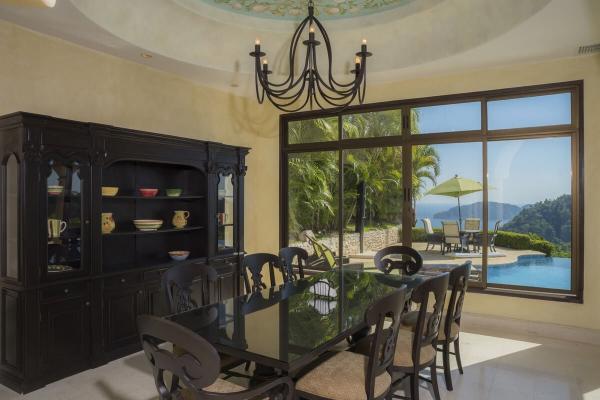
[
  {"x": 133, "y": 197},
  {"x": 157, "y": 232},
  {"x": 158, "y": 264}
]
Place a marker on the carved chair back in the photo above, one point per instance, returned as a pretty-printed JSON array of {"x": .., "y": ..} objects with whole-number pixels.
[
  {"x": 287, "y": 255},
  {"x": 383, "y": 344},
  {"x": 428, "y": 323},
  {"x": 252, "y": 270},
  {"x": 196, "y": 369},
  {"x": 409, "y": 260},
  {"x": 178, "y": 283},
  {"x": 458, "y": 281}
]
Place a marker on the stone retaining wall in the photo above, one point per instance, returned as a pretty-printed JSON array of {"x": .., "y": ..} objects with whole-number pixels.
[{"x": 373, "y": 240}]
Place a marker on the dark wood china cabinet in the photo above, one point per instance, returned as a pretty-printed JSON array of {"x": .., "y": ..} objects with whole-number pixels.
[{"x": 75, "y": 270}]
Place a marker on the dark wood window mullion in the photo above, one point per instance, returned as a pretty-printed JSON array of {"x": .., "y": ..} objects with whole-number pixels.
[
  {"x": 486, "y": 228},
  {"x": 340, "y": 190}
]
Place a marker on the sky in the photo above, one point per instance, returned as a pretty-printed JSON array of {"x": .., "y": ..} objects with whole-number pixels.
[{"x": 520, "y": 171}]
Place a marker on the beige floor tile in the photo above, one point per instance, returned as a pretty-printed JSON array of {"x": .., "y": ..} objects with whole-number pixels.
[{"x": 497, "y": 366}]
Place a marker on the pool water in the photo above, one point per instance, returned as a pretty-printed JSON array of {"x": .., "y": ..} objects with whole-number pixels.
[{"x": 535, "y": 271}]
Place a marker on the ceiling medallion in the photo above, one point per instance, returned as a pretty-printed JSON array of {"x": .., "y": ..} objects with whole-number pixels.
[{"x": 310, "y": 87}]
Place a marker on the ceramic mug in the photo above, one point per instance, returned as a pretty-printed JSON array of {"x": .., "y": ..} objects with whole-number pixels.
[
  {"x": 56, "y": 227},
  {"x": 180, "y": 218}
]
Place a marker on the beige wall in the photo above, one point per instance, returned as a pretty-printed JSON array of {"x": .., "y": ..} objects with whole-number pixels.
[
  {"x": 44, "y": 75},
  {"x": 49, "y": 76}
]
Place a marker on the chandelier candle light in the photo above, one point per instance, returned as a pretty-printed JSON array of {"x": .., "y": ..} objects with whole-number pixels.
[{"x": 310, "y": 87}]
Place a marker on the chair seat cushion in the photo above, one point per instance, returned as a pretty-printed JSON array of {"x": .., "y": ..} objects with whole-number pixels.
[
  {"x": 224, "y": 386},
  {"x": 454, "y": 330},
  {"x": 342, "y": 377},
  {"x": 403, "y": 356}
]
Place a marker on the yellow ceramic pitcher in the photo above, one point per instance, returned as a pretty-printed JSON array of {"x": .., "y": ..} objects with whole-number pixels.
[{"x": 180, "y": 218}]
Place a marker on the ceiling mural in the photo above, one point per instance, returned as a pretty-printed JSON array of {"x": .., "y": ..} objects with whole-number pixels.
[{"x": 296, "y": 9}]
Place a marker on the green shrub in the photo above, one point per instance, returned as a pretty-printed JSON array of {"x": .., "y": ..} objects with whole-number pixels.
[{"x": 522, "y": 241}]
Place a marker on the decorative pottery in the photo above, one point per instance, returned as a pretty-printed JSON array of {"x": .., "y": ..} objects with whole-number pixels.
[
  {"x": 179, "y": 255},
  {"x": 147, "y": 225},
  {"x": 174, "y": 192},
  {"x": 109, "y": 191},
  {"x": 55, "y": 190},
  {"x": 146, "y": 192},
  {"x": 108, "y": 223},
  {"x": 56, "y": 227},
  {"x": 180, "y": 218}
]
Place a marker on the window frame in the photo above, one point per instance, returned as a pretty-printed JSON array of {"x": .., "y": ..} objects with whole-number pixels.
[{"x": 406, "y": 140}]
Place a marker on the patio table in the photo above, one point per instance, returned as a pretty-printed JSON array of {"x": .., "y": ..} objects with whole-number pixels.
[{"x": 290, "y": 326}]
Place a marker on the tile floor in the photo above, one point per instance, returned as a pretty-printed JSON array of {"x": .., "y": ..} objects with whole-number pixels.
[{"x": 496, "y": 366}]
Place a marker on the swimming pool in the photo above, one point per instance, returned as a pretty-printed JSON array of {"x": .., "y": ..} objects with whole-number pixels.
[{"x": 533, "y": 270}]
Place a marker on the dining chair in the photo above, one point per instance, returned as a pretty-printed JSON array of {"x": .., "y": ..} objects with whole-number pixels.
[
  {"x": 433, "y": 237},
  {"x": 354, "y": 376},
  {"x": 450, "y": 333},
  {"x": 452, "y": 237},
  {"x": 287, "y": 255},
  {"x": 179, "y": 281},
  {"x": 417, "y": 350},
  {"x": 195, "y": 375},
  {"x": 252, "y": 270},
  {"x": 408, "y": 260}
]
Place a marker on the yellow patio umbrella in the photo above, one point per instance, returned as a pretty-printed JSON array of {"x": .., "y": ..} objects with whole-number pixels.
[{"x": 456, "y": 187}]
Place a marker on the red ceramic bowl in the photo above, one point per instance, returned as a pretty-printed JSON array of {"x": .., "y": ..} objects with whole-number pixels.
[{"x": 148, "y": 192}]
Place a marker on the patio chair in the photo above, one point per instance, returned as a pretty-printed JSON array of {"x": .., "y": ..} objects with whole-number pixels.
[
  {"x": 452, "y": 238},
  {"x": 433, "y": 237},
  {"x": 472, "y": 224},
  {"x": 478, "y": 238}
]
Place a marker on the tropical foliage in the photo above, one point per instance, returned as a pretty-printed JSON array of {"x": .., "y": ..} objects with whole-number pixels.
[{"x": 313, "y": 176}]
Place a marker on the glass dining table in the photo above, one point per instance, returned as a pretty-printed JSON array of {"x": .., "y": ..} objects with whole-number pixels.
[{"x": 289, "y": 326}]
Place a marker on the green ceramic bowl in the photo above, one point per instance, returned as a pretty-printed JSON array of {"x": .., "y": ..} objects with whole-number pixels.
[{"x": 173, "y": 192}]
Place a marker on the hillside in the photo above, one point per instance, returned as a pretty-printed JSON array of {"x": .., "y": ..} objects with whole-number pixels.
[
  {"x": 502, "y": 211},
  {"x": 550, "y": 219}
]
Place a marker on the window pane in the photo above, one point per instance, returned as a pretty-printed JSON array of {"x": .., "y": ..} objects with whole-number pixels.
[
  {"x": 524, "y": 112},
  {"x": 313, "y": 130},
  {"x": 373, "y": 124},
  {"x": 530, "y": 196},
  {"x": 446, "y": 118},
  {"x": 313, "y": 203},
  {"x": 448, "y": 203},
  {"x": 373, "y": 200}
]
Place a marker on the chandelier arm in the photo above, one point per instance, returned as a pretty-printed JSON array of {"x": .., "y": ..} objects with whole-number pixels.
[
  {"x": 278, "y": 87},
  {"x": 284, "y": 107},
  {"x": 258, "y": 95},
  {"x": 282, "y": 94},
  {"x": 289, "y": 82},
  {"x": 343, "y": 90},
  {"x": 333, "y": 100},
  {"x": 293, "y": 97},
  {"x": 331, "y": 79}
]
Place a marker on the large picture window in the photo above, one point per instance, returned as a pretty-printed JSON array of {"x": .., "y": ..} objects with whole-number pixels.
[{"x": 492, "y": 177}]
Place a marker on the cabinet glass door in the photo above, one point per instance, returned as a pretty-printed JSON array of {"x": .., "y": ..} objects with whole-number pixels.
[
  {"x": 225, "y": 213},
  {"x": 64, "y": 184}
]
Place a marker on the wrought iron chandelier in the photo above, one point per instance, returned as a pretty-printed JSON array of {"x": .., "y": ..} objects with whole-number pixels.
[{"x": 310, "y": 86}]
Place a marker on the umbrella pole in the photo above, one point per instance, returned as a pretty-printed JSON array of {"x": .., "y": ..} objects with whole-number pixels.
[{"x": 459, "y": 216}]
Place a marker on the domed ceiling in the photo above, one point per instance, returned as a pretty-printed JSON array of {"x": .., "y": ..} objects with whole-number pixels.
[
  {"x": 293, "y": 9},
  {"x": 208, "y": 41}
]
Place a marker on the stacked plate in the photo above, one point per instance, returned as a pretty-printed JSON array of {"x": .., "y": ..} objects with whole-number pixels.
[{"x": 148, "y": 224}]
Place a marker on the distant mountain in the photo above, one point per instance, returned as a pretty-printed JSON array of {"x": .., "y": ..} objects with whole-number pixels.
[
  {"x": 501, "y": 211},
  {"x": 550, "y": 219}
]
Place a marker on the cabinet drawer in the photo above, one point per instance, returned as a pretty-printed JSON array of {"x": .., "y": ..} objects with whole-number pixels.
[
  {"x": 78, "y": 289},
  {"x": 125, "y": 280}
]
